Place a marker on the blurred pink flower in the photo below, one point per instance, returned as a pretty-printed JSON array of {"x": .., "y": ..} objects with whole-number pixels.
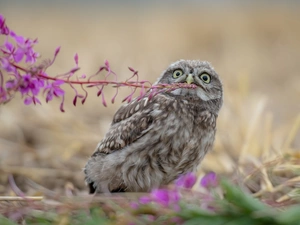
[
  {"x": 165, "y": 197},
  {"x": 53, "y": 89},
  {"x": 31, "y": 99},
  {"x": 5, "y": 64},
  {"x": 30, "y": 84},
  {"x": 25, "y": 48},
  {"x": 186, "y": 181},
  {"x": 209, "y": 180}
]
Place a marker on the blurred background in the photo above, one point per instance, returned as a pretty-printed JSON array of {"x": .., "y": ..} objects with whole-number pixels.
[{"x": 253, "y": 45}]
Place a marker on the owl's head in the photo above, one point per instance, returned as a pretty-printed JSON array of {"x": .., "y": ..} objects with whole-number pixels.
[{"x": 200, "y": 73}]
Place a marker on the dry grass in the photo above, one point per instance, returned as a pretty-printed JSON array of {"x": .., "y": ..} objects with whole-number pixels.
[{"x": 255, "y": 50}]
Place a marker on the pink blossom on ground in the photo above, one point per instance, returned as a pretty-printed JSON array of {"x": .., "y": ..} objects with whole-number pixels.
[
  {"x": 209, "y": 180},
  {"x": 165, "y": 197},
  {"x": 186, "y": 181}
]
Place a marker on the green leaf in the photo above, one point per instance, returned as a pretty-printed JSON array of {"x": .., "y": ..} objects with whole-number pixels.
[
  {"x": 192, "y": 211},
  {"x": 215, "y": 220},
  {"x": 95, "y": 218},
  {"x": 241, "y": 199},
  {"x": 6, "y": 221},
  {"x": 290, "y": 216}
]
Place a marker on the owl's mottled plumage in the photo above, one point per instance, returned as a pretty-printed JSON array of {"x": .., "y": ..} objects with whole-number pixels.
[{"x": 152, "y": 141}]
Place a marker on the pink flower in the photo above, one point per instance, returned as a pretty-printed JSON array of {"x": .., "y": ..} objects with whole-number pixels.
[
  {"x": 5, "y": 64},
  {"x": 30, "y": 79},
  {"x": 209, "y": 180},
  {"x": 11, "y": 84},
  {"x": 25, "y": 48},
  {"x": 165, "y": 197},
  {"x": 12, "y": 53},
  {"x": 30, "y": 84},
  {"x": 54, "y": 89},
  {"x": 9, "y": 49},
  {"x": 186, "y": 181},
  {"x": 31, "y": 99}
]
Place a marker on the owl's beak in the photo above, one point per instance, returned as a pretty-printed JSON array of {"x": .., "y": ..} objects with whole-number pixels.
[{"x": 189, "y": 79}]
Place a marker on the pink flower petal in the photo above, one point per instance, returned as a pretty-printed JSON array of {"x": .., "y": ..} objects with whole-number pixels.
[
  {"x": 36, "y": 100},
  {"x": 11, "y": 84},
  {"x": 161, "y": 196},
  {"x": 186, "y": 181},
  {"x": 19, "y": 54},
  {"x": 9, "y": 46},
  {"x": 49, "y": 96},
  {"x": 58, "y": 92},
  {"x": 19, "y": 39},
  {"x": 209, "y": 180},
  {"x": 76, "y": 59}
]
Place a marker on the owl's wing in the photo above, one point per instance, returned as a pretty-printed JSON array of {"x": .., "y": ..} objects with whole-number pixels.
[{"x": 130, "y": 122}]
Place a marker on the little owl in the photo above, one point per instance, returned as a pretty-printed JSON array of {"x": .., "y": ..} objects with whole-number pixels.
[{"x": 154, "y": 140}]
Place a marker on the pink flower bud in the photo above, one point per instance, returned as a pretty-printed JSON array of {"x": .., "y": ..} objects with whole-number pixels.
[
  {"x": 56, "y": 51},
  {"x": 106, "y": 63},
  {"x": 75, "y": 100},
  {"x": 76, "y": 59},
  {"x": 62, "y": 106},
  {"x": 103, "y": 100},
  {"x": 131, "y": 69}
]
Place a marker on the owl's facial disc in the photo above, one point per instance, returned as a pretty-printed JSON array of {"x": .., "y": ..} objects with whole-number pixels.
[
  {"x": 199, "y": 73},
  {"x": 202, "y": 79}
]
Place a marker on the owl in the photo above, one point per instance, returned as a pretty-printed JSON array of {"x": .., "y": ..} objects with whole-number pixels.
[{"x": 155, "y": 139}]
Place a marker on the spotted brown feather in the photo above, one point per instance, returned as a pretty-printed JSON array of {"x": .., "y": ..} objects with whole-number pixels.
[{"x": 130, "y": 122}]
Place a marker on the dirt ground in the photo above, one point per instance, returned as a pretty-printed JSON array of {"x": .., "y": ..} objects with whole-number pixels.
[{"x": 256, "y": 51}]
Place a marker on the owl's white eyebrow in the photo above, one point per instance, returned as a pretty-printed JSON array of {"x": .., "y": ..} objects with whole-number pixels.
[
  {"x": 205, "y": 71},
  {"x": 176, "y": 68}
]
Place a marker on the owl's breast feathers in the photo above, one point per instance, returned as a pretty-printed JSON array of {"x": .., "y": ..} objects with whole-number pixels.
[{"x": 186, "y": 127}]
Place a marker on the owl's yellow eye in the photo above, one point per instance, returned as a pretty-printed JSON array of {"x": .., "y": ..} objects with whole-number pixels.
[
  {"x": 177, "y": 73},
  {"x": 205, "y": 77}
]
